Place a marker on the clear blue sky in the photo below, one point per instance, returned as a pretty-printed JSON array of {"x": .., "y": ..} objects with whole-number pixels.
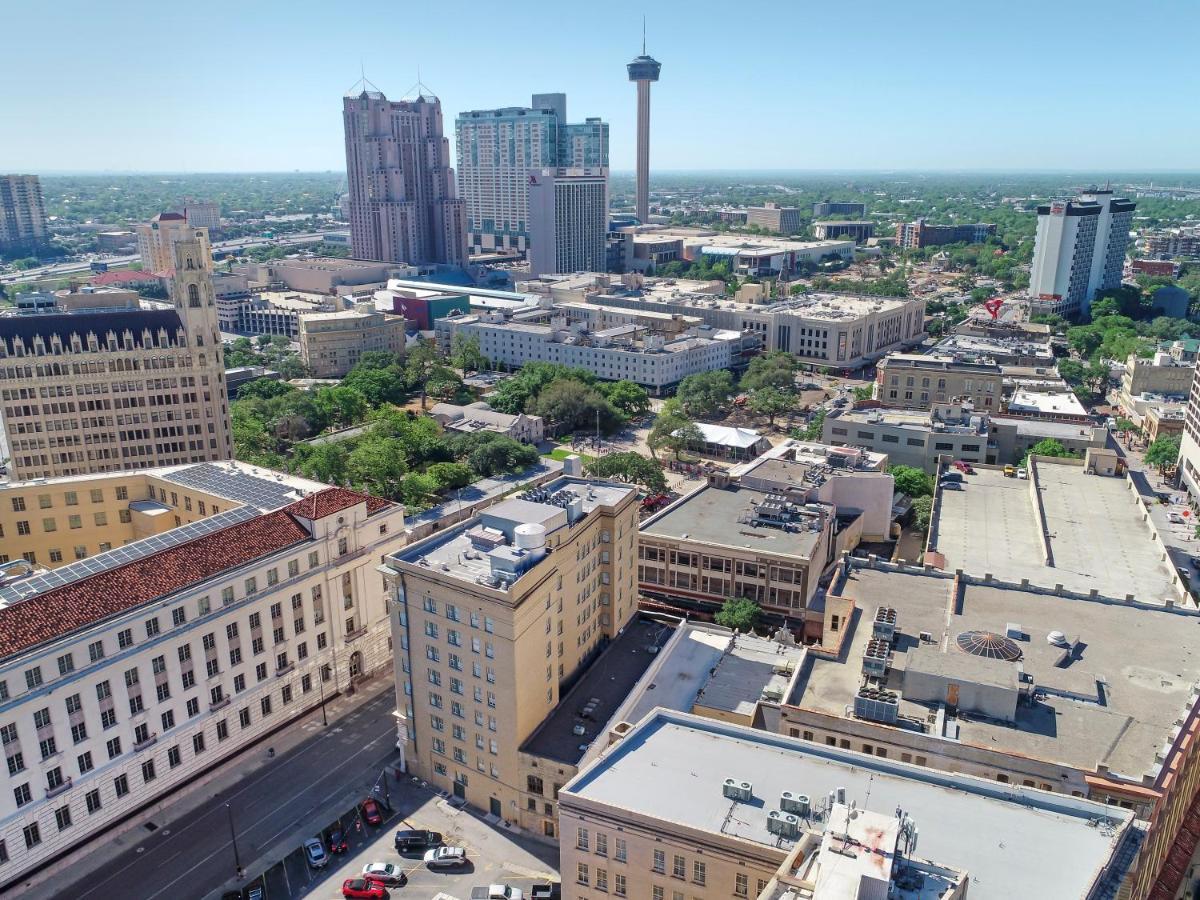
[{"x": 255, "y": 85}]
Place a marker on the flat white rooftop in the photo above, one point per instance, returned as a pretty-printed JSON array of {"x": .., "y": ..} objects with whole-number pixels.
[{"x": 1013, "y": 842}]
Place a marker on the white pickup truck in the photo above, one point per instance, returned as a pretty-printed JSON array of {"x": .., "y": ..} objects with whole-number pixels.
[{"x": 497, "y": 892}]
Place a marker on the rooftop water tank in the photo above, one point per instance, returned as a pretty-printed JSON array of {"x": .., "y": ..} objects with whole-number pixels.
[{"x": 530, "y": 536}]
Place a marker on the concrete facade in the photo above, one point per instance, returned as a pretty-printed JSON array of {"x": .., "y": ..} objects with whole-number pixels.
[
  {"x": 909, "y": 381},
  {"x": 118, "y": 388},
  {"x": 22, "y": 213},
  {"x": 156, "y": 239},
  {"x": 775, "y": 218},
  {"x": 568, "y": 220},
  {"x": 331, "y": 344}
]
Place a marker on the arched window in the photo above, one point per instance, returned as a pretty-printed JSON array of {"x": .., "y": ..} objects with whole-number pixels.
[
  {"x": 190, "y": 263},
  {"x": 193, "y": 295}
]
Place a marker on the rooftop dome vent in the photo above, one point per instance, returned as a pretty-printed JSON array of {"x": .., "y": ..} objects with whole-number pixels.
[{"x": 989, "y": 645}]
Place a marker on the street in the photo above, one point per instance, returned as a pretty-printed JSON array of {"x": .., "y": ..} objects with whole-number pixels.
[{"x": 313, "y": 783}]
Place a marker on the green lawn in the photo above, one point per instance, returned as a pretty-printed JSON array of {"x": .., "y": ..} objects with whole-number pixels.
[{"x": 561, "y": 453}]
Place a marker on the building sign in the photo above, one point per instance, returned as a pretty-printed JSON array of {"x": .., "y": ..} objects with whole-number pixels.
[{"x": 1058, "y": 208}]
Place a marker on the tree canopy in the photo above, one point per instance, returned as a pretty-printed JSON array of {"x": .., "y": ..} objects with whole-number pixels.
[
  {"x": 912, "y": 481},
  {"x": 705, "y": 394},
  {"x": 738, "y": 613},
  {"x": 1163, "y": 452},
  {"x": 631, "y": 467}
]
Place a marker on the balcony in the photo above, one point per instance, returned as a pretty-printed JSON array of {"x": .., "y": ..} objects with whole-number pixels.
[
  {"x": 355, "y": 634},
  {"x": 148, "y": 742},
  {"x": 283, "y": 670},
  {"x": 61, "y": 789},
  {"x": 220, "y": 704}
]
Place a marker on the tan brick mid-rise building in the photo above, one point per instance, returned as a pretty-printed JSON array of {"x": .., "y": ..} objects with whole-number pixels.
[
  {"x": 331, "y": 344},
  {"x": 493, "y": 620},
  {"x": 910, "y": 381},
  {"x": 156, "y": 238},
  {"x": 99, "y": 390}
]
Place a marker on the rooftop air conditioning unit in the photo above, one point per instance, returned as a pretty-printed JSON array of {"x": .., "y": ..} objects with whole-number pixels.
[
  {"x": 797, "y": 804},
  {"x": 783, "y": 824},
  {"x": 736, "y": 789}
]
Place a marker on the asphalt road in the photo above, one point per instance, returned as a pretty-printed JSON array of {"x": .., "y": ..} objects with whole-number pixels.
[{"x": 307, "y": 785}]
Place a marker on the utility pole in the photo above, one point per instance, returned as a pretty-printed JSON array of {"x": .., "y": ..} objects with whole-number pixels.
[
  {"x": 233, "y": 837},
  {"x": 321, "y": 684}
]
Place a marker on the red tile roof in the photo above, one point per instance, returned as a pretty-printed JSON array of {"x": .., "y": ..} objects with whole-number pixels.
[
  {"x": 333, "y": 500},
  {"x": 58, "y": 612},
  {"x": 126, "y": 276}
]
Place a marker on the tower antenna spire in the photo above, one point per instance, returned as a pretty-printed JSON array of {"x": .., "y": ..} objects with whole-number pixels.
[{"x": 643, "y": 35}]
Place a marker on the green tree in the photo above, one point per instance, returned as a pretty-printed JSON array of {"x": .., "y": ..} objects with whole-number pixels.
[
  {"x": 631, "y": 467},
  {"x": 814, "y": 429},
  {"x": 423, "y": 358},
  {"x": 738, "y": 613},
  {"x": 630, "y": 398},
  {"x": 775, "y": 369},
  {"x": 419, "y": 491},
  {"x": 705, "y": 394},
  {"x": 576, "y": 406},
  {"x": 343, "y": 406},
  {"x": 515, "y": 393},
  {"x": 1163, "y": 452},
  {"x": 912, "y": 481},
  {"x": 379, "y": 377},
  {"x": 264, "y": 389},
  {"x": 922, "y": 512},
  {"x": 866, "y": 392},
  {"x": 466, "y": 355},
  {"x": 322, "y": 462},
  {"x": 445, "y": 384},
  {"x": 377, "y": 466},
  {"x": 770, "y": 402},
  {"x": 1048, "y": 447},
  {"x": 451, "y": 475}
]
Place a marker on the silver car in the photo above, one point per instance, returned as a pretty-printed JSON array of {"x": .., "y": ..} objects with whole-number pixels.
[
  {"x": 314, "y": 853},
  {"x": 445, "y": 857}
]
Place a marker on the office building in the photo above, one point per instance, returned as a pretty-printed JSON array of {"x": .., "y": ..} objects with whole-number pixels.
[
  {"x": 22, "y": 214},
  {"x": 775, "y": 218},
  {"x": 274, "y": 312},
  {"x": 497, "y": 151},
  {"x": 842, "y": 228},
  {"x": 1079, "y": 249},
  {"x": 912, "y": 381},
  {"x": 493, "y": 619},
  {"x": 568, "y": 220},
  {"x": 837, "y": 208},
  {"x": 202, "y": 214},
  {"x": 115, "y": 241},
  {"x": 332, "y": 343},
  {"x": 319, "y": 275},
  {"x": 102, "y": 388},
  {"x": 1179, "y": 243},
  {"x": 156, "y": 240},
  {"x": 914, "y": 235},
  {"x": 643, "y": 71},
  {"x": 681, "y": 803},
  {"x": 402, "y": 203},
  {"x": 765, "y": 531},
  {"x": 106, "y": 707}
]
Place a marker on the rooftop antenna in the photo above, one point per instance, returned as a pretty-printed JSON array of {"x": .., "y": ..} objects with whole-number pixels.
[{"x": 643, "y": 35}]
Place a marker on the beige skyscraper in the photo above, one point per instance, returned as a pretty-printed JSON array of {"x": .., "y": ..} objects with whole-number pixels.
[
  {"x": 22, "y": 213},
  {"x": 401, "y": 184},
  {"x": 155, "y": 240},
  {"x": 115, "y": 383}
]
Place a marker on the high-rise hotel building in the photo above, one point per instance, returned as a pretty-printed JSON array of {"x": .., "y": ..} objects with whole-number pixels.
[
  {"x": 494, "y": 619},
  {"x": 108, "y": 387},
  {"x": 401, "y": 184},
  {"x": 22, "y": 213},
  {"x": 1079, "y": 249},
  {"x": 498, "y": 149}
]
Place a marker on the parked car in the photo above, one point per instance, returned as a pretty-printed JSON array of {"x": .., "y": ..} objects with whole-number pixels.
[
  {"x": 496, "y": 892},
  {"x": 1176, "y": 519},
  {"x": 1185, "y": 573},
  {"x": 363, "y": 889},
  {"x": 385, "y": 873},
  {"x": 337, "y": 841},
  {"x": 314, "y": 853},
  {"x": 446, "y": 857},
  {"x": 407, "y": 841},
  {"x": 371, "y": 812},
  {"x": 951, "y": 486}
]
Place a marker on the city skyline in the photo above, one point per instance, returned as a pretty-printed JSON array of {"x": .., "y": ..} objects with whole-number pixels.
[{"x": 875, "y": 110}]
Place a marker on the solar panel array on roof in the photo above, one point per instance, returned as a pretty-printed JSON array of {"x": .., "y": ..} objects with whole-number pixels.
[
  {"x": 119, "y": 556},
  {"x": 259, "y": 491}
]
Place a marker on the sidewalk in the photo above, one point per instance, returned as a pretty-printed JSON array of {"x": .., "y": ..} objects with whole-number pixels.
[{"x": 98, "y": 854}]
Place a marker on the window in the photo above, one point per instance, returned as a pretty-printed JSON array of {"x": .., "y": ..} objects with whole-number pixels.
[
  {"x": 96, "y": 651},
  {"x": 658, "y": 893},
  {"x": 148, "y": 773},
  {"x": 22, "y": 794},
  {"x": 108, "y": 718},
  {"x": 741, "y": 884},
  {"x": 620, "y": 851},
  {"x": 62, "y": 818},
  {"x": 178, "y": 616},
  {"x": 16, "y": 763},
  {"x": 152, "y": 627},
  {"x": 226, "y": 596},
  {"x": 92, "y": 798},
  {"x": 660, "y": 861},
  {"x": 244, "y": 717},
  {"x": 79, "y": 733},
  {"x": 168, "y": 720},
  {"x": 41, "y": 718},
  {"x": 84, "y": 761},
  {"x": 265, "y": 703},
  {"x": 33, "y": 836},
  {"x": 222, "y": 730},
  {"x": 198, "y": 744},
  {"x": 173, "y": 757},
  {"x": 121, "y": 784},
  {"x": 679, "y": 867},
  {"x": 114, "y": 748},
  {"x": 48, "y": 747},
  {"x": 601, "y": 844},
  {"x": 619, "y": 885},
  {"x": 33, "y": 678},
  {"x": 125, "y": 638},
  {"x": 260, "y": 671},
  {"x": 239, "y": 683},
  {"x": 193, "y": 707},
  {"x": 582, "y": 875},
  {"x": 699, "y": 872},
  {"x": 602, "y": 880}
]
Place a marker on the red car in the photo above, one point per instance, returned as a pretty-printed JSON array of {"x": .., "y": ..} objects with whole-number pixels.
[
  {"x": 363, "y": 889},
  {"x": 370, "y": 811}
]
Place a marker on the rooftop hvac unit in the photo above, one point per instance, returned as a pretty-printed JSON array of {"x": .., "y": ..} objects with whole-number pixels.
[
  {"x": 876, "y": 659},
  {"x": 736, "y": 789},
  {"x": 797, "y": 804},
  {"x": 877, "y": 706},
  {"x": 884, "y": 626},
  {"x": 783, "y": 824}
]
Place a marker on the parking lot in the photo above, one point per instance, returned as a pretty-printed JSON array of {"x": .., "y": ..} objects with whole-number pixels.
[{"x": 493, "y": 853}]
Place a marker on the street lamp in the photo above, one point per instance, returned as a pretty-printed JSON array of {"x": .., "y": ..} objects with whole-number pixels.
[{"x": 233, "y": 837}]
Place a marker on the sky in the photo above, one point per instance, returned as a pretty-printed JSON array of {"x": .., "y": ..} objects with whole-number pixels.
[{"x": 256, "y": 85}]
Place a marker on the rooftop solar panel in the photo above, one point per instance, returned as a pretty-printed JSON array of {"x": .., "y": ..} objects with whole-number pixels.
[{"x": 259, "y": 491}]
